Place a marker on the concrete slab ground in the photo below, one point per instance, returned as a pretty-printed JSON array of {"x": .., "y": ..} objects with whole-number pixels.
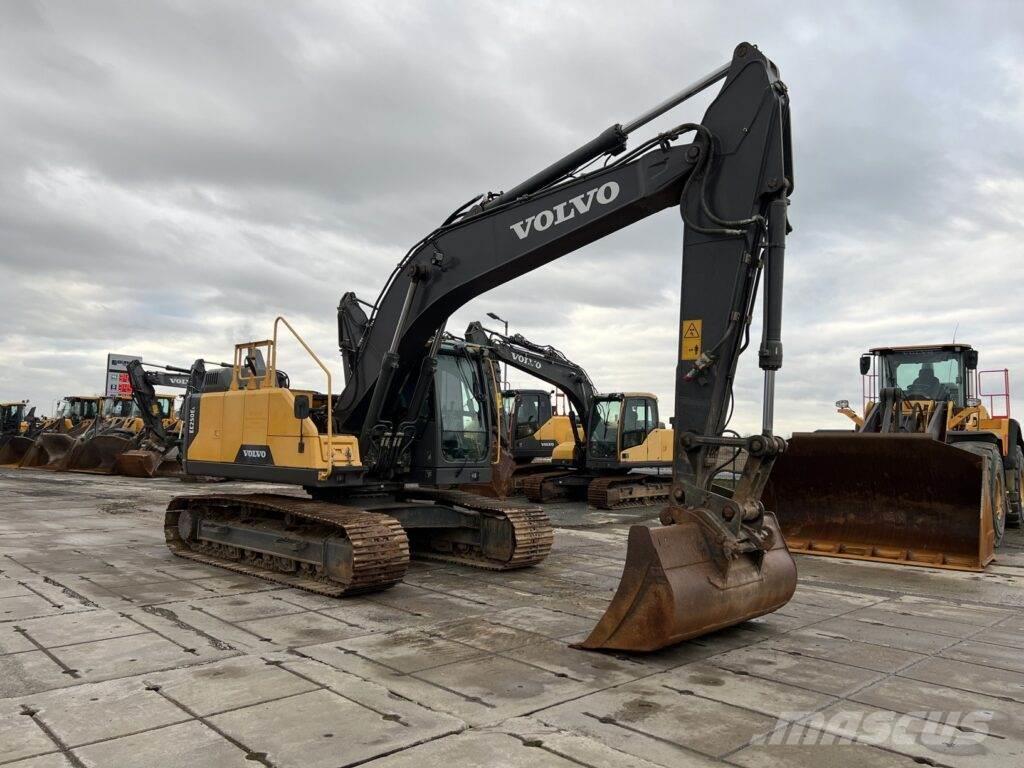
[{"x": 115, "y": 653}]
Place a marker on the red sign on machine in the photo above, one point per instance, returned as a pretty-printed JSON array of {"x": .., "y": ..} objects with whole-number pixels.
[{"x": 118, "y": 384}]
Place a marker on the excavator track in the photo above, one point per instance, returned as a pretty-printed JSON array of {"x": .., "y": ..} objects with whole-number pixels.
[
  {"x": 537, "y": 489},
  {"x": 373, "y": 547},
  {"x": 527, "y": 528},
  {"x": 628, "y": 490}
]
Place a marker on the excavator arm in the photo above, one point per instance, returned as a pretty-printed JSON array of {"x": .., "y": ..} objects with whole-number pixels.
[{"x": 543, "y": 362}]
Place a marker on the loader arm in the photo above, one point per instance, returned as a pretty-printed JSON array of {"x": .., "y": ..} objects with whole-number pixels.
[{"x": 725, "y": 182}]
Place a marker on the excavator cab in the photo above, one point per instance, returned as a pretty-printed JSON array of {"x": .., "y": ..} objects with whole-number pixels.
[
  {"x": 618, "y": 423},
  {"x": 534, "y": 427},
  {"x": 455, "y": 446}
]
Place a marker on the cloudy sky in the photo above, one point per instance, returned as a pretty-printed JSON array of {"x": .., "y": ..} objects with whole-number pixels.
[{"x": 174, "y": 175}]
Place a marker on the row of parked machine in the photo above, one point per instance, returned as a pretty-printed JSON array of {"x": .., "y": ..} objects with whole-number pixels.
[
  {"x": 395, "y": 464},
  {"x": 136, "y": 434}
]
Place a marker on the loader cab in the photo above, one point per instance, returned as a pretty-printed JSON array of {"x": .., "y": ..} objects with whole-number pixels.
[
  {"x": 617, "y": 423},
  {"x": 455, "y": 446},
  {"x": 12, "y": 416},
  {"x": 78, "y": 409},
  {"x": 119, "y": 408},
  {"x": 930, "y": 373},
  {"x": 525, "y": 412}
]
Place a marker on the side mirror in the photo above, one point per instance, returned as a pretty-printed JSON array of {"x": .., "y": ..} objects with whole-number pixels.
[
  {"x": 971, "y": 359},
  {"x": 301, "y": 407},
  {"x": 865, "y": 364}
]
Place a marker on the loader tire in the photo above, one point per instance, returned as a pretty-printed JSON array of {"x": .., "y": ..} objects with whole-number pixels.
[
  {"x": 999, "y": 501},
  {"x": 1015, "y": 497}
]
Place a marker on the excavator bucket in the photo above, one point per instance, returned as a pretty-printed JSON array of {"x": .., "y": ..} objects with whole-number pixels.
[
  {"x": 143, "y": 463},
  {"x": 893, "y": 498},
  {"x": 14, "y": 450},
  {"x": 48, "y": 451},
  {"x": 97, "y": 455},
  {"x": 678, "y": 584}
]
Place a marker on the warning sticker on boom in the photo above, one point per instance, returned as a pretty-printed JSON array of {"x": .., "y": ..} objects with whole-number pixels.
[{"x": 691, "y": 339}]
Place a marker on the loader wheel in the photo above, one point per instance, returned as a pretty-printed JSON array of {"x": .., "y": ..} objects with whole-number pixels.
[
  {"x": 998, "y": 502},
  {"x": 1015, "y": 501}
]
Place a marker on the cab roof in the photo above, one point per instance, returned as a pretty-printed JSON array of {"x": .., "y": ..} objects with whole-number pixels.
[{"x": 953, "y": 347}]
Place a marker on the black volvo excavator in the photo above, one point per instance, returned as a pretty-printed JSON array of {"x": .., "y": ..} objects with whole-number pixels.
[
  {"x": 622, "y": 432},
  {"x": 412, "y": 417}
]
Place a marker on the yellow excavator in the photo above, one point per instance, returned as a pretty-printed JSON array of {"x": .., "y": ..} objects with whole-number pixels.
[
  {"x": 378, "y": 461},
  {"x": 613, "y": 462},
  {"x": 929, "y": 476}
]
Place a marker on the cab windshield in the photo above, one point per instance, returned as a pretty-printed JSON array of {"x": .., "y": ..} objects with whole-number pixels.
[
  {"x": 10, "y": 415},
  {"x": 604, "y": 429},
  {"x": 119, "y": 407},
  {"x": 927, "y": 374},
  {"x": 81, "y": 409},
  {"x": 464, "y": 435}
]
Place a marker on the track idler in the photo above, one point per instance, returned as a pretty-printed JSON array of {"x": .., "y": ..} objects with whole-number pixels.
[{"x": 685, "y": 579}]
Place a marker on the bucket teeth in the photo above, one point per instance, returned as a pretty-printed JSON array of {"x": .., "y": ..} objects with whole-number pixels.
[{"x": 906, "y": 499}]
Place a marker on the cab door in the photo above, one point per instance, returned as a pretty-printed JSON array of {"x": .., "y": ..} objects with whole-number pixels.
[{"x": 639, "y": 418}]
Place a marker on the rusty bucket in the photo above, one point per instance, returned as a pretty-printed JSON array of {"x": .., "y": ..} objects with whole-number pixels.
[
  {"x": 47, "y": 451},
  {"x": 144, "y": 463},
  {"x": 894, "y": 498},
  {"x": 14, "y": 449},
  {"x": 677, "y": 584},
  {"x": 97, "y": 455}
]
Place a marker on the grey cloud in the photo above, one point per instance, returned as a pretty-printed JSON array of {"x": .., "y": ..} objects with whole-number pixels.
[{"x": 174, "y": 175}]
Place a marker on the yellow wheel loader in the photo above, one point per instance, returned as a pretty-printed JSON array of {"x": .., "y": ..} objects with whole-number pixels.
[
  {"x": 57, "y": 435},
  {"x": 98, "y": 450},
  {"x": 378, "y": 461},
  {"x": 928, "y": 477}
]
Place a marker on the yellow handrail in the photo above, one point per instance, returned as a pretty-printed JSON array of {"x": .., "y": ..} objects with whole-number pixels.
[{"x": 327, "y": 373}]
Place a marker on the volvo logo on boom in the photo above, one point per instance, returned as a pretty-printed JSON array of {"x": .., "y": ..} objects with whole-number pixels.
[
  {"x": 524, "y": 360},
  {"x": 562, "y": 212}
]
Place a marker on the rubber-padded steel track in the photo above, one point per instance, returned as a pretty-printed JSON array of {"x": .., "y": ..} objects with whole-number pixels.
[
  {"x": 627, "y": 490},
  {"x": 380, "y": 548},
  {"x": 532, "y": 534}
]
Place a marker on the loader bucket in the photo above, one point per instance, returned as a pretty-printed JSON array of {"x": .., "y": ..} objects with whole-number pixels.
[
  {"x": 97, "y": 454},
  {"x": 14, "y": 450},
  {"x": 892, "y": 498},
  {"x": 47, "y": 451},
  {"x": 677, "y": 585}
]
